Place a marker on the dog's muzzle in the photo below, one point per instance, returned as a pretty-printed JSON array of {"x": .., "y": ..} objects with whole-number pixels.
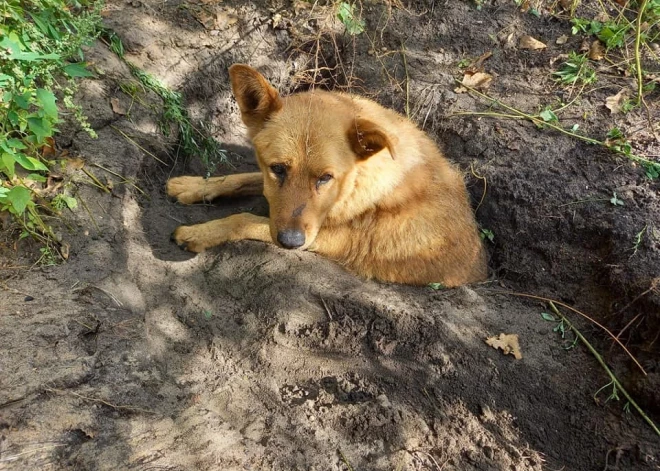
[{"x": 291, "y": 238}]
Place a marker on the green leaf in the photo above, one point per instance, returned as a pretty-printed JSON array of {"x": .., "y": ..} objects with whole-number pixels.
[
  {"x": 29, "y": 163},
  {"x": 548, "y": 317},
  {"x": 70, "y": 201},
  {"x": 347, "y": 15},
  {"x": 47, "y": 100},
  {"x": 77, "y": 70},
  {"x": 40, "y": 127},
  {"x": 18, "y": 197},
  {"x": 436, "y": 286},
  {"x": 615, "y": 200},
  {"x": 32, "y": 56},
  {"x": 8, "y": 162},
  {"x": 37, "y": 177},
  {"x": 23, "y": 101},
  {"x": 16, "y": 143},
  {"x": 548, "y": 116}
]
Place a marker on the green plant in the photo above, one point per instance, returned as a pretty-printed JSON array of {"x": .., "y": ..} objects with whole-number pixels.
[
  {"x": 436, "y": 286},
  {"x": 487, "y": 234},
  {"x": 346, "y": 13},
  {"x": 638, "y": 240},
  {"x": 563, "y": 328},
  {"x": 192, "y": 140},
  {"x": 615, "y": 200},
  {"x": 40, "y": 58},
  {"x": 576, "y": 70}
]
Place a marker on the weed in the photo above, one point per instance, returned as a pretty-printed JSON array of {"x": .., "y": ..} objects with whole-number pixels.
[
  {"x": 638, "y": 240},
  {"x": 576, "y": 70},
  {"x": 487, "y": 234},
  {"x": 192, "y": 140},
  {"x": 40, "y": 58},
  {"x": 351, "y": 19},
  {"x": 615, "y": 200},
  {"x": 437, "y": 286},
  {"x": 562, "y": 327}
]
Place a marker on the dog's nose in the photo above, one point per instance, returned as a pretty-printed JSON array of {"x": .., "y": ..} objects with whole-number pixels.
[{"x": 291, "y": 238}]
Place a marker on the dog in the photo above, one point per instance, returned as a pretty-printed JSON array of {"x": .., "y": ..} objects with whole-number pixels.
[{"x": 348, "y": 179}]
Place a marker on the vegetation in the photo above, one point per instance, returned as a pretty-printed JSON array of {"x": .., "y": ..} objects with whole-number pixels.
[{"x": 40, "y": 59}]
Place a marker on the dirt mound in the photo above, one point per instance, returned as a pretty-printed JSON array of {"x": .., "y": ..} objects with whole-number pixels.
[{"x": 136, "y": 355}]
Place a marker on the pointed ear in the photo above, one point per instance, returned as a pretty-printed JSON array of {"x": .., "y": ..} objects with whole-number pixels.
[
  {"x": 257, "y": 99},
  {"x": 367, "y": 138}
]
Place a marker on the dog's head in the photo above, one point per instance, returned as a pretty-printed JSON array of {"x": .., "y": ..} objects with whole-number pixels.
[{"x": 309, "y": 147}]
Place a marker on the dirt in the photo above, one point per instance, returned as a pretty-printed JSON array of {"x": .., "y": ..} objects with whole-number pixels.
[{"x": 136, "y": 355}]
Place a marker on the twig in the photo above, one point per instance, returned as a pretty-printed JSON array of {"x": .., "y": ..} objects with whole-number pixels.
[
  {"x": 125, "y": 180},
  {"x": 600, "y": 360},
  {"x": 483, "y": 195},
  {"x": 593, "y": 321},
  {"x": 405, "y": 69},
  {"x": 18, "y": 455},
  {"x": 138, "y": 145},
  {"x": 638, "y": 59},
  {"x": 96, "y": 181},
  {"x": 100, "y": 401},
  {"x": 540, "y": 122}
]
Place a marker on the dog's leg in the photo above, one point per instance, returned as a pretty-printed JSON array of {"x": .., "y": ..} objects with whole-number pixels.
[
  {"x": 189, "y": 190},
  {"x": 241, "y": 226}
]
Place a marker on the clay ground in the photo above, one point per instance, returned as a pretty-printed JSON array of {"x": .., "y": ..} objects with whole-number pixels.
[{"x": 134, "y": 355}]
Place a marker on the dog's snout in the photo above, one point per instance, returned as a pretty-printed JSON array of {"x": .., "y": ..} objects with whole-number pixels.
[{"x": 291, "y": 238}]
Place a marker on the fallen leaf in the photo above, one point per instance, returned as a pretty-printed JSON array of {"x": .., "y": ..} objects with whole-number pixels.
[
  {"x": 528, "y": 42},
  {"x": 562, "y": 39},
  {"x": 596, "y": 51},
  {"x": 615, "y": 102},
  {"x": 584, "y": 47},
  {"x": 508, "y": 343},
  {"x": 478, "y": 81},
  {"x": 49, "y": 147},
  {"x": 117, "y": 107}
]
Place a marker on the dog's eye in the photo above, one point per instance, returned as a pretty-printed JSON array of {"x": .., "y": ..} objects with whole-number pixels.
[
  {"x": 278, "y": 170},
  {"x": 325, "y": 178}
]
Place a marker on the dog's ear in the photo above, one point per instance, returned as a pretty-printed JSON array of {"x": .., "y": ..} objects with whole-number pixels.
[
  {"x": 366, "y": 138},
  {"x": 256, "y": 98}
]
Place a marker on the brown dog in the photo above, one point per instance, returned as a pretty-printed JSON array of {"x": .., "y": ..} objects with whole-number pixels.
[{"x": 348, "y": 179}]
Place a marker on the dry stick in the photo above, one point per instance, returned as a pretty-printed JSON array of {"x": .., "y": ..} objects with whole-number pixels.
[
  {"x": 95, "y": 180},
  {"x": 405, "y": 69},
  {"x": 539, "y": 121},
  {"x": 638, "y": 59},
  {"x": 600, "y": 360},
  {"x": 483, "y": 195},
  {"x": 124, "y": 179},
  {"x": 138, "y": 145},
  {"x": 593, "y": 321},
  {"x": 101, "y": 401}
]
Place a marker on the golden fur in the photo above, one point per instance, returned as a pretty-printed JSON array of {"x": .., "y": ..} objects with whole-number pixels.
[{"x": 348, "y": 179}]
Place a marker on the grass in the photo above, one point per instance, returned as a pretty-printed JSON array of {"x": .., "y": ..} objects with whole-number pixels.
[
  {"x": 192, "y": 140},
  {"x": 614, "y": 383},
  {"x": 41, "y": 58}
]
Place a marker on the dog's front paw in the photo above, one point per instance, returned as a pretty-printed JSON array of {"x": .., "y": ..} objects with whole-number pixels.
[
  {"x": 186, "y": 190},
  {"x": 189, "y": 238}
]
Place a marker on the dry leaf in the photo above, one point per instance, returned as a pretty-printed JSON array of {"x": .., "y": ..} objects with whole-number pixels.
[
  {"x": 478, "y": 81},
  {"x": 615, "y": 102},
  {"x": 596, "y": 51},
  {"x": 584, "y": 47},
  {"x": 528, "y": 42},
  {"x": 508, "y": 343},
  {"x": 117, "y": 107},
  {"x": 562, "y": 39}
]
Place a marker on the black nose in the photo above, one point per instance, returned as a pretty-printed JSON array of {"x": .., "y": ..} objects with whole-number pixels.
[{"x": 291, "y": 238}]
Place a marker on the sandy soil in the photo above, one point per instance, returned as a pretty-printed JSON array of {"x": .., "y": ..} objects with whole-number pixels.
[{"x": 134, "y": 355}]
